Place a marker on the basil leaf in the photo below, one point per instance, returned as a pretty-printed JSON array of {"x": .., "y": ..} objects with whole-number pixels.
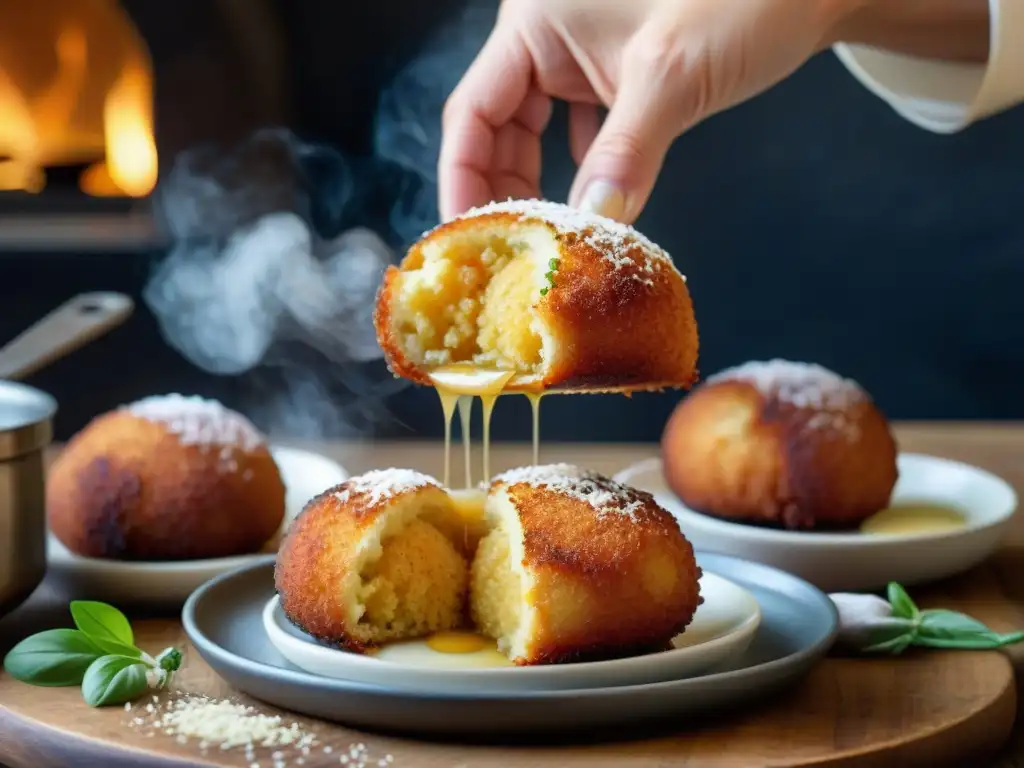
[
  {"x": 106, "y": 626},
  {"x": 114, "y": 680},
  {"x": 57, "y": 657},
  {"x": 977, "y": 642},
  {"x": 902, "y": 606},
  {"x": 893, "y": 646},
  {"x": 943, "y": 623}
]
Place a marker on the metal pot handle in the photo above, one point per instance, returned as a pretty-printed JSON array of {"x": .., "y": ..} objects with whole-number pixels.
[{"x": 70, "y": 326}]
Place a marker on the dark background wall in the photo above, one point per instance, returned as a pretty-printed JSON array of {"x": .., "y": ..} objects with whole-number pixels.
[{"x": 812, "y": 223}]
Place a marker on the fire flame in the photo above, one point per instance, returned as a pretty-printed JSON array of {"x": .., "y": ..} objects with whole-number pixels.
[
  {"x": 71, "y": 119},
  {"x": 130, "y": 167}
]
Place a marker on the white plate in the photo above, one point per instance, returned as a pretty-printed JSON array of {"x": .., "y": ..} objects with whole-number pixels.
[
  {"x": 855, "y": 561},
  {"x": 305, "y": 475},
  {"x": 722, "y": 628}
]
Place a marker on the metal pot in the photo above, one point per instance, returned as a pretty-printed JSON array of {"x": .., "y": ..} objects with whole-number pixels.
[{"x": 26, "y": 430}]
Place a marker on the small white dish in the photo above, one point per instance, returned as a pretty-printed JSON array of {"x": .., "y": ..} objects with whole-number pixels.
[
  {"x": 855, "y": 561},
  {"x": 722, "y": 629},
  {"x": 305, "y": 474}
]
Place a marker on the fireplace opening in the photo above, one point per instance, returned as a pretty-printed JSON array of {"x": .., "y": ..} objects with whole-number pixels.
[{"x": 76, "y": 101}]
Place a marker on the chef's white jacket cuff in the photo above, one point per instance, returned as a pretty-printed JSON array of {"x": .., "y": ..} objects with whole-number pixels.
[{"x": 947, "y": 97}]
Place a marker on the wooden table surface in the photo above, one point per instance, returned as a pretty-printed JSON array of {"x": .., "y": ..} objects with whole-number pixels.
[{"x": 996, "y": 447}]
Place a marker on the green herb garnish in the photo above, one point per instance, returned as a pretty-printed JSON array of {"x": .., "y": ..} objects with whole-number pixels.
[
  {"x": 100, "y": 656},
  {"x": 114, "y": 680},
  {"x": 876, "y": 625},
  {"x": 550, "y": 276}
]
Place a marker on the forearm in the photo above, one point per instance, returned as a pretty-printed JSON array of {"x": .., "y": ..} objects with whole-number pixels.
[{"x": 951, "y": 30}]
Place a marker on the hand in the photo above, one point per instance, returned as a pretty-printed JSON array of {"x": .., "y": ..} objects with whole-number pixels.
[{"x": 660, "y": 66}]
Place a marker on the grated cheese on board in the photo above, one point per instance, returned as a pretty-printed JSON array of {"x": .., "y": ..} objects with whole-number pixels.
[{"x": 222, "y": 724}]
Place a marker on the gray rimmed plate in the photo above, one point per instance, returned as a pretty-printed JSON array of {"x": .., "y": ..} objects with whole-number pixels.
[{"x": 223, "y": 619}]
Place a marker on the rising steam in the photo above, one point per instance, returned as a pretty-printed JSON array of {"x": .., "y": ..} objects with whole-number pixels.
[
  {"x": 272, "y": 271},
  {"x": 250, "y": 284}
]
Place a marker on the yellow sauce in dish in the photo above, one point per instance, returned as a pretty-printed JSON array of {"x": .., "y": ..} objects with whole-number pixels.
[
  {"x": 457, "y": 642},
  {"x": 445, "y": 650},
  {"x": 902, "y": 519}
]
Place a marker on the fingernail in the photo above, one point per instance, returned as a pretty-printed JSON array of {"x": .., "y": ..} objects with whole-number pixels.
[{"x": 604, "y": 198}]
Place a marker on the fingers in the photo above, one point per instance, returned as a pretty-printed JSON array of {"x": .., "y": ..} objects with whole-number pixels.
[
  {"x": 515, "y": 166},
  {"x": 495, "y": 92},
  {"x": 621, "y": 165},
  {"x": 584, "y": 124}
]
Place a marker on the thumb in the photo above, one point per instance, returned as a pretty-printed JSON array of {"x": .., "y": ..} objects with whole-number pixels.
[{"x": 620, "y": 168}]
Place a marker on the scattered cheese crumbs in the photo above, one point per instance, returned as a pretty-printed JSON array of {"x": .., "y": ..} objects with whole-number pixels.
[
  {"x": 229, "y": 725},
  {"x": 600, "y": 492},
  {"x": 200, "y": 422},
  {"x": 382, "y": 484}
]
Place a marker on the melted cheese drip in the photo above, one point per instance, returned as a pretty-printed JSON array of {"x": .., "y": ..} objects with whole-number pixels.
[
  {"x": 459, "y": 384},
  {"x": 469, "y": 505},
  {"x": 913, "y": 518},
  {"x": 466, "y": 417},
  {"x": 448, "y": 400},
  {"x": 534, "y": 398}
]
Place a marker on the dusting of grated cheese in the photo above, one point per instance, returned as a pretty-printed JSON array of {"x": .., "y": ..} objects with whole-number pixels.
[
  {"x": 602, "y": 493},
  {"x": 224, "y": 725},
  {"x": 198, "y": 421},
  {"x": 804, "y": 385},
  {"x": 383, "y": 484},
  {"x": 616, "y": 241}
]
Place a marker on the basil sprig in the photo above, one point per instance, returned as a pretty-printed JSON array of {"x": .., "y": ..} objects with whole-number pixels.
[
  {"x": 100, "y": 656},
  {"x": 936, "y": 628}
]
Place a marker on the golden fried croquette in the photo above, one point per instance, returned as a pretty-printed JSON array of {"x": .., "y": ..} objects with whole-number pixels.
[
  {"x": 579, "y": 567},
  {"x": 570, "y": 301},
  {"x": 380, "y": 557},
  {"x": 780, "y": 443},
  {"x": 165, "y": 478}
]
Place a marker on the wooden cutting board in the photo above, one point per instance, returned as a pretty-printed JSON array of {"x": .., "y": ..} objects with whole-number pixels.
[{"x": 929, "y": 708}]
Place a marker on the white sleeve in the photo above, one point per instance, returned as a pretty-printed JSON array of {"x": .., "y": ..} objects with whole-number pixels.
[{"x": 947, "y": 97}]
